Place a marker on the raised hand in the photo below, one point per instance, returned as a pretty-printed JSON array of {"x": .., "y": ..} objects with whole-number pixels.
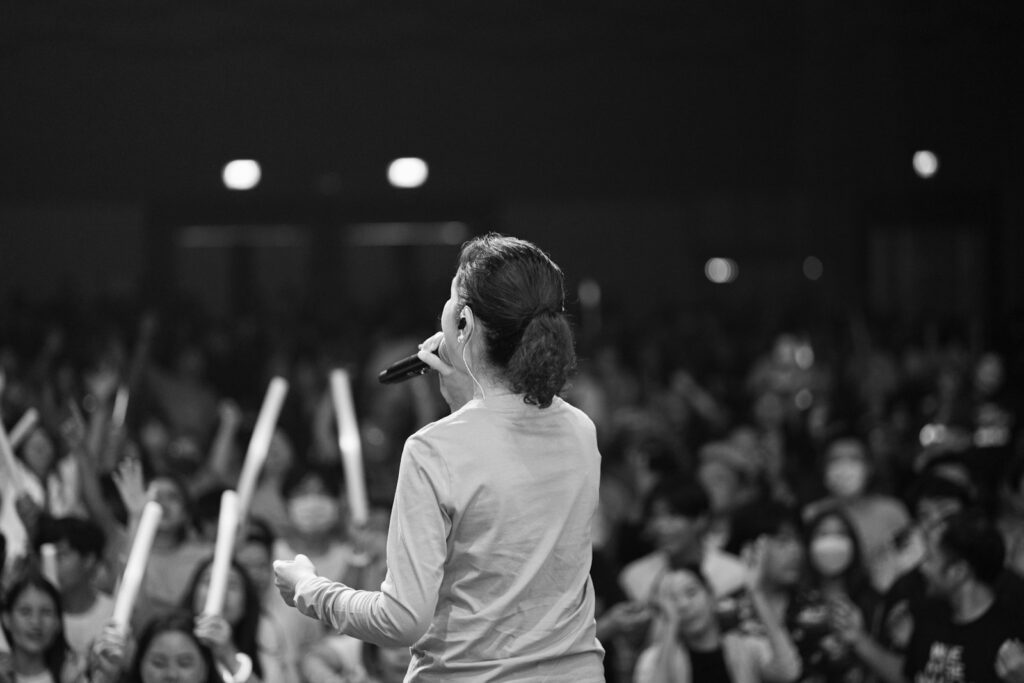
[
  {"x": 107, "y": 658},
  {"x": 131, "y": 486},
  {"x": 753, "y": 558},
  {"x": 1010, "y": 661},
  {"x": 213, "y": 631}
]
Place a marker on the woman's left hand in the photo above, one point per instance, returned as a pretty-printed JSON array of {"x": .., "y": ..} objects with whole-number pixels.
[
  {"x": 753, "y": 558},
  {"x": 845, "y": 619},
  {"x": 288, "y": 573},
  {"x": 214, "y": 631}
]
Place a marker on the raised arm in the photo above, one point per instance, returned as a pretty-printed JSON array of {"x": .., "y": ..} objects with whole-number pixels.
[{"x": 783, "y": 663}]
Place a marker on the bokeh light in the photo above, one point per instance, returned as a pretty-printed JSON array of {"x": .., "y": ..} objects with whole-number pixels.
[
  {"x": 241, "y": 174},
  {"x": 407, "y": 172},
  {"x": 721, "y": 270},
  {"x": 926, "y": 164},
  {"x": 813, "y": 268}
]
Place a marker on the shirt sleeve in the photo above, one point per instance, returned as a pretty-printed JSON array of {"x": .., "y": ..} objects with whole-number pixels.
[{"x": 401, "y": 611}]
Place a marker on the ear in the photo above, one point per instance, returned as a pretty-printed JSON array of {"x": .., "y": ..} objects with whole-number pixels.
[{"x": 467, "y": 323}]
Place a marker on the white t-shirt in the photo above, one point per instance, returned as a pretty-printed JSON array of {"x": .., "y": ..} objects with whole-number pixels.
[
  {"x": 82, "y": 629},
  {"x": 488, "y": 550}
]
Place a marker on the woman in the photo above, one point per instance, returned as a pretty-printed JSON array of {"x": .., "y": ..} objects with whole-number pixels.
[
  {"x": 33, "y": 625},
  {"x": 839, "y": 582},
  {"x": 168, "y": 650},
  {"x": 691, "y": 646},
  {"x": 177, "y": 551},
  {"x": 877, "y": 518},
  {"x": 231, "y": 635},
  {"x": 489, "y": 543},
  {"x": 50, "y": 486}
]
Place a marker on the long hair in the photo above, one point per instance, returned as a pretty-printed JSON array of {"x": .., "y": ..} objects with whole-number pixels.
[
  {"x": 243, "y": 633},
  {"x": 518, "y": 293},
  {"x": 176, "y": 622},
  {"x": 56, "y": 653},
  {"x": 855, "y": 579}
]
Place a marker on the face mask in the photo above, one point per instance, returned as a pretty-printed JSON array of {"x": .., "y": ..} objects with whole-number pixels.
[
  {"x": 313, "y": 512},
  {"x": 846, "y": 478},
  {"x": 832, "y": 554}
]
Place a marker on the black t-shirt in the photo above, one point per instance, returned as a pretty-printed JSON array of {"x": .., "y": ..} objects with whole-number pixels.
[
  {"x": 709, "y": 667},
  {"x": 941, "y": 651},
  {"x": 910, "y": 593}
]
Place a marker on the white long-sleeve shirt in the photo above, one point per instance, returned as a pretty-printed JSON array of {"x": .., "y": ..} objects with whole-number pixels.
[{"x": 488, "y": 550}]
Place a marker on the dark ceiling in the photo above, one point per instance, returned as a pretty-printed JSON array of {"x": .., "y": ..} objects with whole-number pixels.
[{"x": 136, "y": 100}]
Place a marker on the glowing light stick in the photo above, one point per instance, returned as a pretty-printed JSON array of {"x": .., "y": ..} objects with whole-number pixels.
[
  {"x": 48, "y": 553},
  {"x": 259, "y": 444},
  {"x": 135, "y": 569},
  {"x": 351, "y": 447},
  {"x": 227, "y": 526},
  {"x": 23, "y": 427},
  {"x": 9, "y": 463},
  {"x": 117, "y": 416}
]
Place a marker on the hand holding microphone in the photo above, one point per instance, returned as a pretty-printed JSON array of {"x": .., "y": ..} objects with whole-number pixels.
[
  {"x": 456, "y": 386},
  {"x": 427, "y": 358}
]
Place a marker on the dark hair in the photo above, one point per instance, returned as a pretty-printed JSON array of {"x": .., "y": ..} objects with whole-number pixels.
[
  {"x": 694, "y": 569},
  {"x": 256, "y": 530},
  {"x": 686, "y": 498},
  {"x": 177, "y": 622},
  {"x": 243, "y": 634},
  {"x": 187, "y": 501},
  {"x": 518, "y": 293},
  {"x": 332, "y": 476},
  {"x": 208, "y": 504},
  {"x": 84, "y": 536},
  {"x": 855, "y": 578},
  {"x": 970, "y": 536},
  {"x": 56, "y": 653},
  {"x": 930, "y": 486},
  {"x": 757, "y": 518}
]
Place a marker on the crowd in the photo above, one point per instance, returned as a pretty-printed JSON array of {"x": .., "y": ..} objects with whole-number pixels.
[{"x": 815, "y": 504}]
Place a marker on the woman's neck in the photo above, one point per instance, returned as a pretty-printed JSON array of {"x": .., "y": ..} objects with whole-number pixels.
[
  {"x": 486, "y": 386},
  {"x": 27, "y": 664}
]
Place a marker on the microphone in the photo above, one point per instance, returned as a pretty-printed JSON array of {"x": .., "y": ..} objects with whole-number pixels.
[{"x": 407, "y": 368}]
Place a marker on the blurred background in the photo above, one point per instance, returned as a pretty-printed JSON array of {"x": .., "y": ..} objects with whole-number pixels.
[
  {"x": 634, "y": 141},
  {"x": 708, "y": 177},
  {"x": 780, "y": 223}
]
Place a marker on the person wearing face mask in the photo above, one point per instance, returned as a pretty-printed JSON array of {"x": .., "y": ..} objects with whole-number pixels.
[
  {"x": 877, "y": 518},
  {"x": 317, "y": 523},
  {"x": 837, "y": 582}
]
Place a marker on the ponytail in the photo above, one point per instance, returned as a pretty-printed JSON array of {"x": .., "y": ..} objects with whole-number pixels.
[{"x": 543, "y": 360}]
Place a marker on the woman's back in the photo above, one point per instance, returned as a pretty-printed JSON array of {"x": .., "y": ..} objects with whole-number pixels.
[{"x": 515, "y": 601}]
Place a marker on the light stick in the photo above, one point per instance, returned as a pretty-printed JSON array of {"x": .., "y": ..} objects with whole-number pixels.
[
  {"x": 120, "y": 411},
  {"x": 259, "y": 444},
  {"x": 23, "y": 427},
  {"x": 48, "y": 553},
  {"x": 10, "y": 463},
  {"x": 227, "y": 525},
  {"x": 351, "y": 447},
  {"x": 135, "y": 569}
]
